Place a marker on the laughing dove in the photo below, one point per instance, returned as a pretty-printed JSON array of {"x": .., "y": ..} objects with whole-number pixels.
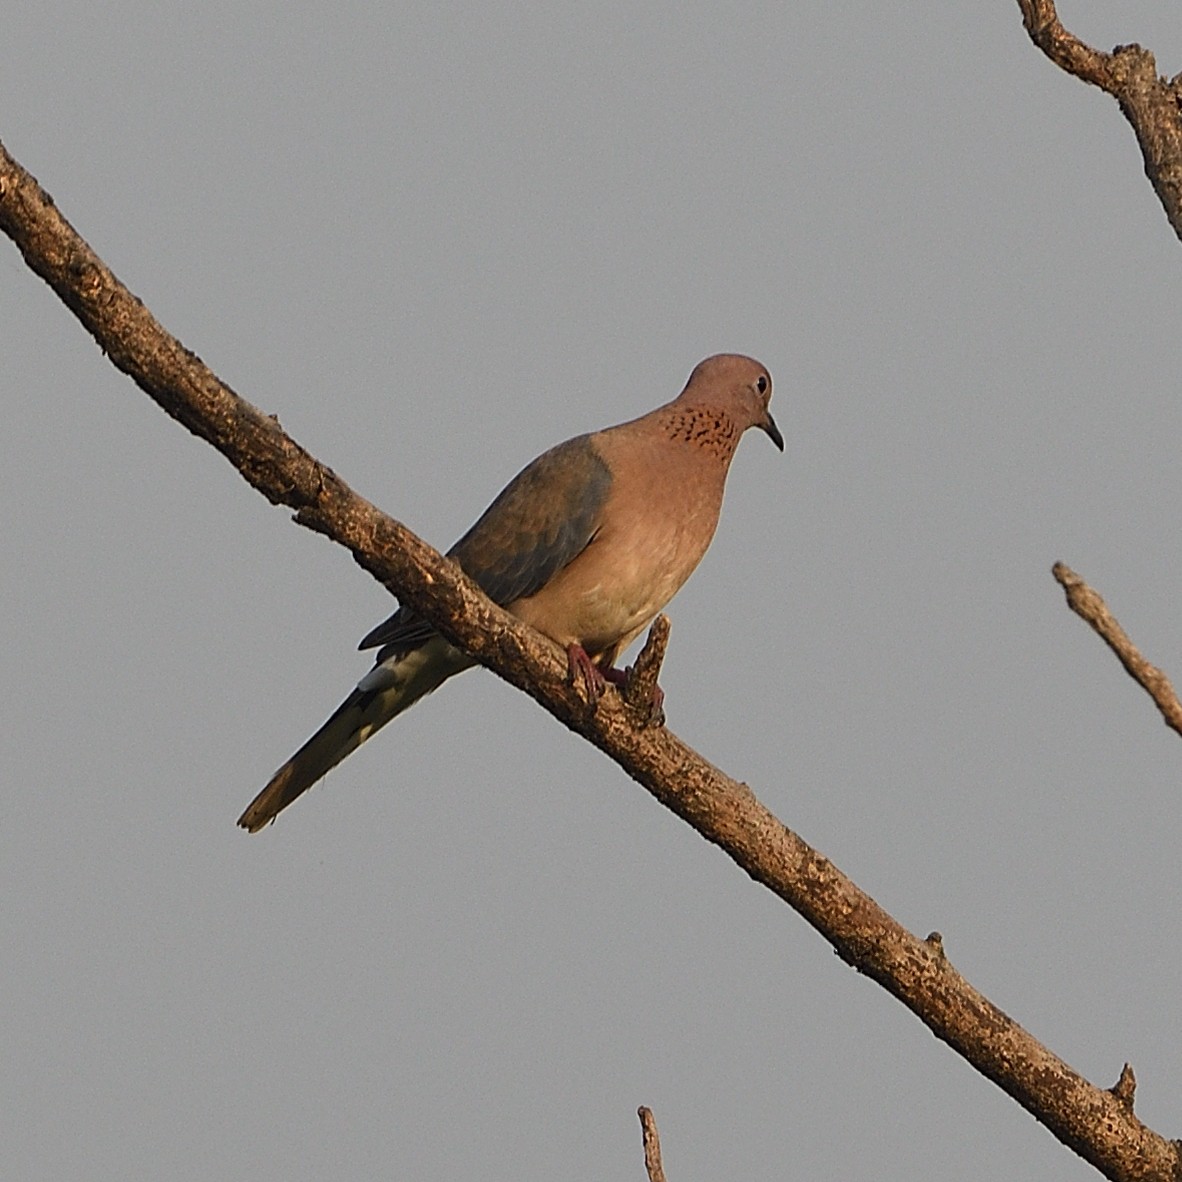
[{"x": 586, "y": 545}]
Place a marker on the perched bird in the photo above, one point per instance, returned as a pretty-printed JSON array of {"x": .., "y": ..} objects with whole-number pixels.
[{"x": 586, "y": 544}]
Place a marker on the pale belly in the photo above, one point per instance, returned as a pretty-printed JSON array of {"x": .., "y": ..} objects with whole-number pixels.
[{"x": 614, "y": 589}]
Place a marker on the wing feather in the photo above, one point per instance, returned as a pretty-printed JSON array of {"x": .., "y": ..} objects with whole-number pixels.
[{"x": 542, "y": 520}]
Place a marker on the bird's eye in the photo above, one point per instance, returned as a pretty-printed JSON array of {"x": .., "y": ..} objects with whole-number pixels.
[{"x": 761, "y": 383}]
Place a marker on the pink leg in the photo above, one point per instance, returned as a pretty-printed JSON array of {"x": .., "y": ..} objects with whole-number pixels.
[
  {"x": 584, "y": 672},
  {"x": 595, "y": 677}
]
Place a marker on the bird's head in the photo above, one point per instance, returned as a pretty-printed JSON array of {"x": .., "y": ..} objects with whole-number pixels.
[{"x": 738, "y": 385}]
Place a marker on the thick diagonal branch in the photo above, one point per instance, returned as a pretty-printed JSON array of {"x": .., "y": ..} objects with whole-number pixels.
[{"x": 1094, "y": 1122}]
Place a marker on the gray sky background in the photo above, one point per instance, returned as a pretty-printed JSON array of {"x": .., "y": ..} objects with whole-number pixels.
[{"x": 434, "y": 240}]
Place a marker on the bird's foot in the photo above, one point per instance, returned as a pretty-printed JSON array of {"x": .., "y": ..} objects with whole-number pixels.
[
  {"x": 594, "y": 679},
  {"x": 585, "y": 673},
  {"x": 648, "y": 703},
  {"x": 642, "y": 693}
]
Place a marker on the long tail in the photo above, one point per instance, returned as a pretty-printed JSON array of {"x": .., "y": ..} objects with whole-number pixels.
[{"x": 384, "y": 693}]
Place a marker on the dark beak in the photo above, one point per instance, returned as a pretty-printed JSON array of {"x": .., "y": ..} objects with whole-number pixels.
[{"x": 773, "y": 432}]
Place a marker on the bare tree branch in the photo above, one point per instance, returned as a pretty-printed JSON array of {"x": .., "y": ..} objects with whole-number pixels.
[
  {"x": 1095, "y": 1122},
  {"x": 1129, "y": 73},
  {"x": 1088, "y": 605},
  {"x": 652, "y": 1145}
]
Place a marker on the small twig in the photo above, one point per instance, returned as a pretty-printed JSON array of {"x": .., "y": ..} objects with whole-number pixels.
[
  {"x": 640, "y": 690},
  {"x": 1088, "y": 605},
  {"x": 1125, "y": 1087},
  {"x": 652, "y": 1145}
]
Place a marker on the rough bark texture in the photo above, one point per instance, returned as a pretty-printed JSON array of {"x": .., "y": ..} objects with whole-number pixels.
[
  {"x": 1153, "y": 105},
  {"x": 1096, "y": 1123}
]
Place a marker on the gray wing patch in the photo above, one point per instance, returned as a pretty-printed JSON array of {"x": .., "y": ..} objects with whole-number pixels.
[{"x": 543, "y": 519}]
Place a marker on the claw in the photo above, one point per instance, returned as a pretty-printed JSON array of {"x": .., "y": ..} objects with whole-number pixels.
[
  {"x": 652, "y": 712},
  {"x": 584, "y": 672},
  {"x": 594, "y": 679}
]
